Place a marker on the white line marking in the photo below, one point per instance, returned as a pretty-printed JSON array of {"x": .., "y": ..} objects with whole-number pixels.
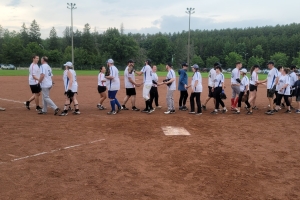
[
  {"x": 172, "y": 130},
  {"x": 52, "y": 151},
  {"x": 12, "y": 100}
]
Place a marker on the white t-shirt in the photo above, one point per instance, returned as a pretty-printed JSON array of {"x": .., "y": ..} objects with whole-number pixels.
[
  {"x": 170, "y": 75},
  {"x": 277, "y": 86},
  {"x": 154, "y": 78},
  {"x": 147, "y": 71},
  {"x": 197, "y": 77},
  {"x": 284, "y": 79},
  {"x": 235, "y": 74},
  {"x": 34, "y": 70},
  {"x": 101, "y": 78},
  {"x": 244, "y": 83},
  {"x": 113, "y": 84},
  {"x": 293, "y": 79},
  {"x": 211, "y": 77},
  {"x": 47, "y": 81},
  {"x": 219, "y": 80},
  {"x": 127, "y": 75},
  {"x": 254, "y": 78},
  {"x": 271, "y": 80}
]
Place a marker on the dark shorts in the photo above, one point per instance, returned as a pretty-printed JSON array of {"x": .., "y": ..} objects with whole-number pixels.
[
  {"x": 253, "y": 88},
  {"x": 270, "y": 94},
  {"x": 210, "y": 93},
  {"x": 293, "y": 93},
  {"x": 71, "y": 94},
  {"x": 130, "y": 91},
  {"x": 101, "y": 89},
  {"x": 35, "y": 88}
]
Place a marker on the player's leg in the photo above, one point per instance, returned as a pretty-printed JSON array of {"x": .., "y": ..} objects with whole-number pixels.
[
  {"x": 247, "y": 101},
  {"x": 192, "y": 103},
  {"x": 77, "y": 112},
  {"x": 152, "y": 95},
  {"x": 66, "y": 106},
  {"x": 298, "y": 102},
  {"x": 198, "y": 102},
  {"x": 180, "y": 100},
  {"x": 270, "y": 96},
  {"x": 185, "y": 96},
  {"x": 237, "y": 92},
  {"x": 146, "y": 92},
  {"x": 156, "y": 96},
  {"x": 288, "y": 104},
  {"x": 217, "y": 97},
  {"x": 126, "y": 98},
  {"x": 172, "y": 101},
  {"x": 232, "y": 97}
]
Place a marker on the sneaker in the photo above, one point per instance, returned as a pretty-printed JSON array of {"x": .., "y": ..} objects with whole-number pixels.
[
  {"x": 151, "y": 111},
  {"x": 249, "y": 113},
  {"x": 64, "y": 113},
  {"x": 275, "y": 110},
  {"x": 112, "y": 113},
  {"x": 76, "y": 112},
  {"x": 101, "y": 108},
  {"x": 271, "y": 112},
  {"x": 56, "y": 111},
  {"x": 145, "y": 111},
  {"x": 168, "y": 112},
  {"x": 199, "y": 113},
  {"x": 119, "y": 109},
  {"x": 237, "y": 112},
  {"x": 38, "y": 108},
  {"x": 180, "y": 108},
  {"x": 98, "y": 106},
  {"x": 204, "y": 107},
  {"x": 41, "y": 112},
  {"x": 158, "y": 107},
  {"x": 135, "y": 109},
  {"x": 282, "y": 105},
  {"x": 27, "y": 103},
  {"x": 70, "y": 109},
  {"x": 254, "y": 108},
  {"x": 233, "y": 109},
  {"x": 298, "y": 111},
  {"x": 267, "y": 111},
  {"x": 288, "y": 111},
  {"x": 172, "y": 111},
  {"x": 192, "y": 112},
  {"x": 214, "y": 112},
  {"x": 184, "y": 108},
  {"x": 2, "y": 109},
  {"x": 124, "y": 108},
  {"x": 224, "y": 110}
]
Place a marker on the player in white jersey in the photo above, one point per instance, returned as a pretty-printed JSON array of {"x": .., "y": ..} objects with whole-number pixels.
[
  {"x": 253, "y": 88},
  {"x": 130, "y": 84},
  {"x": 196, "y": 86},
  {"x": 284, "y": 90},
  {"x": 271, "y": 81},
  {"x": 279, "y": 70},
  {"x": 170, "y": 81},
  {"x": 293, "y": 79},
  {"x": 211, "y": 78},
  {"x": 113, "y": 85},
  {"x": 46, "y": 83},
  {"x": 34, "y": 75},
  {"x": 71, "y": 88},
  {"x": 218, "y": 88},
  {"x": 235, "y": 85},
  {"x": 154, "y": 92},
  {"x": 244, "y": 91},
  {"x": 147, "y": 72},
  {"x": 101, "y": 87}
]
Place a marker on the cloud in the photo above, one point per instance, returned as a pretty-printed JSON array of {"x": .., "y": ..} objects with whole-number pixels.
[{"x": 14, "y": 3}]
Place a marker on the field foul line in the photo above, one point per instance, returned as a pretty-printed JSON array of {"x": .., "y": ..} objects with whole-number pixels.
[
  {"x": 12, "y": 100},
  {"x": 52, "y": 151}
]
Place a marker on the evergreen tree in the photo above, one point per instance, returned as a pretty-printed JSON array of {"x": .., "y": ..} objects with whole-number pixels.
[{"x": 34, "y": 32}]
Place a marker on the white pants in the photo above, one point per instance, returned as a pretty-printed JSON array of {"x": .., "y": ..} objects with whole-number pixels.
[
  {"x": 170, "y": 100},
  {"x": 146, "y": 91},
  {"x": 46, "y": 100}
]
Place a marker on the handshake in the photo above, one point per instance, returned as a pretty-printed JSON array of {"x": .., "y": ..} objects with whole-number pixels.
[{"x": 166, "y": 80}]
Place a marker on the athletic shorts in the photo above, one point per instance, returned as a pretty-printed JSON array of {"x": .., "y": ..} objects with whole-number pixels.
[
  {"x": 210, "y": 92},
  {"x": 130, "y": 92},
  {"x": 101, "y": 89},
  {"x": 293, "y": 93},
  {"x": 235, "y": 90},
  {"x": 146, "y": 90},
  {"x": 112, "y": 94},
  {"x": 253, "y": 88},
  {"x": 270, "y": 94},
  {"x": 35, "y": 88}
]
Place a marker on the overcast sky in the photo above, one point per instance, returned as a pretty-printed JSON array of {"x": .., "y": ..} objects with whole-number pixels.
[{"x": 149, "y": 16}]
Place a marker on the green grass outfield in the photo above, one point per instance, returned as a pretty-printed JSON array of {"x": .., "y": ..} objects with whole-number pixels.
[{"x": 95, "y": 73}]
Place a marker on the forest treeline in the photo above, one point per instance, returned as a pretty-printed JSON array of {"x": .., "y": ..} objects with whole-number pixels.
[{"x": 91, "y": 49}]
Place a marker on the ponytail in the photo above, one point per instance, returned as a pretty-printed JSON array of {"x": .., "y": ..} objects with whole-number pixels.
[{"x": 253, "y": 68}]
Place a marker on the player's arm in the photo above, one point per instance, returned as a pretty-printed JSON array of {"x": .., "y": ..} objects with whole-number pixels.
[
  {"x": 170, "y": 81},
  {"x": 132, "y": 81},
  {"x": 42, "y": 75},
  {"x": 34, "y": 76},
  {"x": 139, "y": 73},
  {"x": 70, "y": 77},
  {"x": 111, "y": 76}
]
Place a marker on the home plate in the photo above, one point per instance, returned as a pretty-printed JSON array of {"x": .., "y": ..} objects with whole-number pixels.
[{"x": 172, "y": 130}]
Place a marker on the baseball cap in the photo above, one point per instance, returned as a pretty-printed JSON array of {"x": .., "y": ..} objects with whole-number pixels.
[
  {"x": 110, "y": 61},
  {"x": 69, "y": 64},
  {"x": 184, "y": 64},
  {"x": 130, "y": 61},
  {"x": 244, "y": 70},
  {"x": 270, "y": 63},
  {"x": 217, "y": 64},
  {"x": 195, "y": 66},
  {"x": 169, "y": 64}
]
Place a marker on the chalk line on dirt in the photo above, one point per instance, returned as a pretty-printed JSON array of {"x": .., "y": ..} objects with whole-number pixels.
[
  {"x": 52, "y": 151},
  {"x": 12, "y": 100}
]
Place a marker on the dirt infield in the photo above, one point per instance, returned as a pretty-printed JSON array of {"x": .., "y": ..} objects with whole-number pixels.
[{"x": 127, "y": 156}]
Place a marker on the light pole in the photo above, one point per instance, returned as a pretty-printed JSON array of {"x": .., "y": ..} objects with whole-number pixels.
[
  {"x": 189, "y": 11},
  {"x": 71, "y": 6},
  {"x": 245, "y": 56}
]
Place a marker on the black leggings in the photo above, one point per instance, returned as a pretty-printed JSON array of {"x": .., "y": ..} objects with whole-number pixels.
[
  {"x": 276, "y": 97},
  {"x": 154, "y": 96},
  {"x": 183, "y": 97},
  {"x": 217, "y": 92},
  {"x": 286, "y": 99},
  {"x": 198, "y": 102},
  {"x": 240, "y": 100}
]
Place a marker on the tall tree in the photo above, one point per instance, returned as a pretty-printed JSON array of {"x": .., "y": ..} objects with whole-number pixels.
[
  {"x": 87, "y": 39},
  {"x": 280, "y": 59},
  {"x": 34, "y": 32},
  {"x": 53, "y": 40},
  {"x": 232, "y": 58},
  {"x": 24, "y": 34}
]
